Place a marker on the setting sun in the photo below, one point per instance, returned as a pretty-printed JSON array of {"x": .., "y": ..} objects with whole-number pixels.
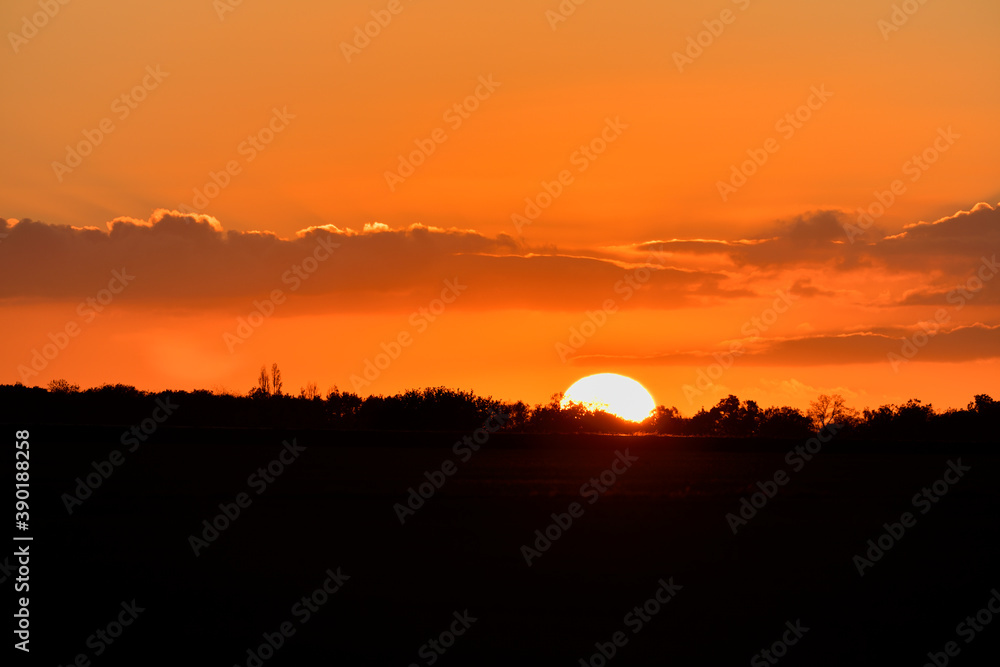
[{"x": 616, "y": 394}]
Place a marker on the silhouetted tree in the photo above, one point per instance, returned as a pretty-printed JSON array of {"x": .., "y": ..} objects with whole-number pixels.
[
  {"x": 785, "y": 422},
  {"x": 275, "y": 380},
  {"x": 343, "y": 408},
  {"x": 727, "y": 418},
  {"x": 984, "y": 405},
  {"x": 665, "y": 420},
  {"x": 913, "y": 418},
  {"x": 264, "y": 382},
  {"x": 517, "y": 416},
  {"x": 112, "y": 391},
  {"x": 827, "y": 410},
  {"x": 62, "y": 386},
  {"x": 878, "y": 423}
]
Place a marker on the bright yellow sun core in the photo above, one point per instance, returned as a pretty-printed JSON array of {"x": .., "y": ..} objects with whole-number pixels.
[{"x": 612, "y": 393}]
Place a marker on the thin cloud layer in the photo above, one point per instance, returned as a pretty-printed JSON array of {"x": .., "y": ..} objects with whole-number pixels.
[{"x": 967, "y": 343}]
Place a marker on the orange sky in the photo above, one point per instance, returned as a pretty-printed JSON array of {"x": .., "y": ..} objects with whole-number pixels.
[{"x": 122, "y": 112}]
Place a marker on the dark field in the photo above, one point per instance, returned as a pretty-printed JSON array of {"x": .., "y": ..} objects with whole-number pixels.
[{"x": 662, "y": 518}]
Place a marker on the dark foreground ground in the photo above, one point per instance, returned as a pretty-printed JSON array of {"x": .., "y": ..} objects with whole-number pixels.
[{"x": 664, "y": 518}]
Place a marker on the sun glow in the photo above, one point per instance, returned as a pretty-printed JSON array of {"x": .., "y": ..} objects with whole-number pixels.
[{"x": 616, "y": 394}]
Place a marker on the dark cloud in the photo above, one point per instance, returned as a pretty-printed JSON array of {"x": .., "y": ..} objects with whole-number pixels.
[
  {"x": 953, "y": 246},
  {"x": 804, "y": 287},
  {"x": 189, "y": 260}
]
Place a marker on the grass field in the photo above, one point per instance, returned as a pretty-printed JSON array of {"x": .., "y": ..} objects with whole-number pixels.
[{"x": 664, "y": 517}]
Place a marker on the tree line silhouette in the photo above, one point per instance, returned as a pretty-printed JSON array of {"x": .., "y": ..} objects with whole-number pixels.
[{"x": 444, "y": 409}]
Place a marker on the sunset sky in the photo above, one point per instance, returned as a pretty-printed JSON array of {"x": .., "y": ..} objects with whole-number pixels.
[{"x": 463, "y": 187}]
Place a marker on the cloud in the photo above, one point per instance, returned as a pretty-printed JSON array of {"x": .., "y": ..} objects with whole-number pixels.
[
  {"x": 964, "y": 343},
  {"x": 964, "y": 293},
  {"x": 811, "y": 239},
  {"x": 952, "y": 245},
  {"x": 804, "y": 287},
  {"x": 190, "y": 261}
]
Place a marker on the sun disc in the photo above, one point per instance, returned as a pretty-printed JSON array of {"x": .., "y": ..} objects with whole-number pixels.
[{"x": 616, "y": 394}]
